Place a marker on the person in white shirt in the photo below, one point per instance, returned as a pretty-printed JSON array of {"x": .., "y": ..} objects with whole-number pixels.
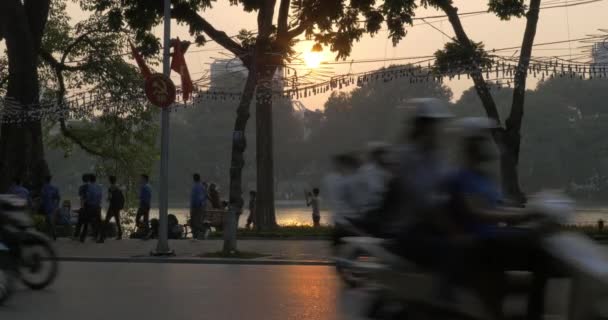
[
  {"x": 341, "y": 191},
  {"x": 373, "y": 178},
  {"x": 340, "y": 187}
]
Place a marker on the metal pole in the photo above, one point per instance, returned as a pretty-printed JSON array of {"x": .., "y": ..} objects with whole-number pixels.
[{"x": 162, "y": 247}]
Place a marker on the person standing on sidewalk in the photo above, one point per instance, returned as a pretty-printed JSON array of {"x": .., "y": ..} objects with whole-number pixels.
[
  {"x": 93, "y": 208},
  {"x": 214, "y": 197},
  {"x": 116, "y": 202},
  {"x": 312, "y": 200},
  {"x": 198, "y": 201},
  {"x": 50, "y": 198},
  {"x": 20, "y": 191},
  {"x": 82, "y": 212},
  {"x": 251, "y": 217},
  {"x": 145, "y": 201}
]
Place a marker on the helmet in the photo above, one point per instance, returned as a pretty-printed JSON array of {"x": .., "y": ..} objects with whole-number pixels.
[
  {"x": 430, "y": 108},
  {"x": 374, "y": 146},
  {"x": 475, "y": 126}
]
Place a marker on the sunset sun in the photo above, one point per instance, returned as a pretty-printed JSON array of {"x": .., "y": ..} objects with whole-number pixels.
[{"x": 313, "y": 59}]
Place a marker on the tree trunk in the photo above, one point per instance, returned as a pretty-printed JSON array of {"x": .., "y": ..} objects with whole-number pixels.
[
  {"x": 267, "y": 61},
  {"x": 512, "y": 135},
  {"x": 265, "y": 213},
  {"x": 21, "y": 146},
  {"x": 239, "y": 144},
  {"x": 508, "y": 139}
]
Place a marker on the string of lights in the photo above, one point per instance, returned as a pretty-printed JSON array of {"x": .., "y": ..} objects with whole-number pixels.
[{"x": 88, "y": 105}]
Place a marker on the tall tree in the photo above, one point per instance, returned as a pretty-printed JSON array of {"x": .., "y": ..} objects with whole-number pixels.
[
  {"x": 508, "y": 137},
  {"x": 22, "y": 25},
  {"x": 118, "y": 128}
]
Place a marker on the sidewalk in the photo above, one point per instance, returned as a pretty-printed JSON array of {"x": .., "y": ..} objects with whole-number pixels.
[{"x": 316, "y": 251}]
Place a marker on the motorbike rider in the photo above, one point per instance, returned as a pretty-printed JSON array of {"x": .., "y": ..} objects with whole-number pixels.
[
  {"x": 420, "y": 179},
  {"x": 340, "y": 185},
  {"x": 493, "y": 249}
]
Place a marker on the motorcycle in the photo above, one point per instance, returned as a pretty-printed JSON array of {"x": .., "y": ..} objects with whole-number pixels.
[
  {"x": 7, "y": 277},
  {"x": 30, "y": 254},
  {"x": 416, "y": 291}
]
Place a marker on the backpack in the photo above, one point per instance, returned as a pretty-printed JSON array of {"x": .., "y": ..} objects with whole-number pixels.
[{"x": 118, "y": 199}]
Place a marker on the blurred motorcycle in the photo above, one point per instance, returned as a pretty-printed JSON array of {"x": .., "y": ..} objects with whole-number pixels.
[
  {"x": 407, "y": 290},
  {"x": 7, "y": 276},
  {"x": 30, "y": 254}
]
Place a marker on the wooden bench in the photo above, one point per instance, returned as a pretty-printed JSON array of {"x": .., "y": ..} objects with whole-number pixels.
[
  {"x": 211, "y": 218},
  {"x": 214, "y": 218}
]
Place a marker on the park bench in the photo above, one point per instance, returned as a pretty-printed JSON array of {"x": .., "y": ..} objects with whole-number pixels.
[{"x": 212, "y": 218}]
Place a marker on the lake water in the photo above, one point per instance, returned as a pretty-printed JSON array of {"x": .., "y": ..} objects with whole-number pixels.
[{"x": 296, "y": 213}]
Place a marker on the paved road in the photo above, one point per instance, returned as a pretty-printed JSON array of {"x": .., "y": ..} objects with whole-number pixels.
[
  {"x": 126, "y": 248},
  {"x": 180, "y": 291}
]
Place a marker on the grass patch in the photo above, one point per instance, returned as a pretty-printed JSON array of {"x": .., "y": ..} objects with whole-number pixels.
[
  {"x": 285, "y": 232},
  {"x": 234, "y": 255},
  {"x": 590, "y": 230}
]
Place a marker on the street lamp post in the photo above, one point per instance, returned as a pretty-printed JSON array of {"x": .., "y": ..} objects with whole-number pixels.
[{"x": 162, "y": 247}]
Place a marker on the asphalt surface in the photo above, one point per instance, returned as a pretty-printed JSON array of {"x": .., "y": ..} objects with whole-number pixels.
[{"x": 183, "y": 291}]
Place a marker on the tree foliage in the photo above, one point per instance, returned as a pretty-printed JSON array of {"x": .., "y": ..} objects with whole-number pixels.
[{"x": 87, "y": 57}]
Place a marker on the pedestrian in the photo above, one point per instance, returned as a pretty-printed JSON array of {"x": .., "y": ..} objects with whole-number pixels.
[
  {"x": 313, "y": 202},
  {"x": 214, "y": 197},
  {"x": 116, "y": 202},
  {"x": 251, "y": 219},
  {"x": 198, "y": 202},
  {"x": 145, "y": 200},
  {"x": 65, "y": 214},
  {"x": 92, "y": 212},
  {"x": 50, "y": 198},
  {"x": 20, "y": 191},
  {"x": 82, "y": 195}
]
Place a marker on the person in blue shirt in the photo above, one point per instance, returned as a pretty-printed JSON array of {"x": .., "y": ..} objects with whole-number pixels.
[
  {"x": 82, "y": 212},
  {"x": 20, "y": 191},
  {"x": 93, "y": 199},
  {"x": 491, "y": 249},
  {"x": 145, "y": 200},
  {"x": 50, "y": 198},
  {"x": 116, "y": 202},
  {"x": 198, "y": 203}
]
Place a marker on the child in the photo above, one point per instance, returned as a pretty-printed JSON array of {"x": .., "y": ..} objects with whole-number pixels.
[
  {"x": 251, "y": 218},
  {"x": 312, "y": 200},
  {"x": 65, "y": 214}
]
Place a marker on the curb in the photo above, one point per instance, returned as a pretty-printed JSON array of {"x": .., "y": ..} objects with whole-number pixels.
[{"x": 170, "y": 260}]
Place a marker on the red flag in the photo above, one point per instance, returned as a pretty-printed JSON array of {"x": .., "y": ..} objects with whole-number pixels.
[
  {"x": 178, "y": 64},
  {"x": 140, "y": 62}
]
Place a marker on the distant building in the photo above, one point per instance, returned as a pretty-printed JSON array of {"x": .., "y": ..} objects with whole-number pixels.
[
  {"x": 229, "y": 74},
  {"x": 599, "y": 52}
]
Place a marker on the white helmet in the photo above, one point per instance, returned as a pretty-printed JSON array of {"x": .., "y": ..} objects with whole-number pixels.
[
  {"x": 475, "y": 126},
  {"x": 377, "y": 145},
  {"x": 429, "y": 108}
]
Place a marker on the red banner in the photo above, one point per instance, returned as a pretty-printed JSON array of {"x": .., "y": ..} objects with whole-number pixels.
[{"x": 178, "y": 64}]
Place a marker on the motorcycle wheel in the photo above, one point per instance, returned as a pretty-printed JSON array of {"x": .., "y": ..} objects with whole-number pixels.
[
  {"x": 38, "y": 265},
  {"x": 7, "y": 286},
  {"x": 7, "y": 276},
  {"x": 344, "y": 268}
]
